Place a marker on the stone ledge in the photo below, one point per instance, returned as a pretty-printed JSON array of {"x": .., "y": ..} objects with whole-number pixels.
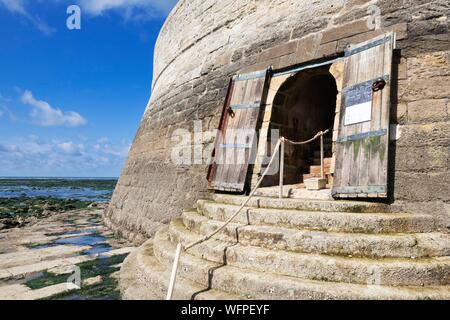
[{"x": 346, "y": 30}]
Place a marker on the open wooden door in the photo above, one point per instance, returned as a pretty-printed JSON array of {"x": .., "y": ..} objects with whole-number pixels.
[
  {"x": 361, "y": 166},
  {"x": 236, "y": 140}
]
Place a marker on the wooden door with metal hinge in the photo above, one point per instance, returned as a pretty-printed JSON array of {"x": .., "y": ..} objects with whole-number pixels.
[
  {"x": 361, "y": 168},
  {"x": 236, "y": 140}
]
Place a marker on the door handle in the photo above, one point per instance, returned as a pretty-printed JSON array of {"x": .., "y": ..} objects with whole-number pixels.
[
  {"x": 230, "y": 112},
  {"x": 378, "y": 85}
]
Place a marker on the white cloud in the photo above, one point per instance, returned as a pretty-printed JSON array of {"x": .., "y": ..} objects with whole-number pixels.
[
  {"x": 4, "y": 110},
  {"x": 71, "y": 148},
  {"x": 34, "y": 156},
  {"x": 19, "y": 7},
  {"x": 16, "y": 6},
  {"x": 44, "y": 115},
  {"x": 120, "y": 150}
]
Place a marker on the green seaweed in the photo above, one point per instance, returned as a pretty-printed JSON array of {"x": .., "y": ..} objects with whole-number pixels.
[
  {"x": 356, "y": 147},
  {"x": 39, "y": 183},
  {"x": 18, "y": 211},
  {"x": 103, "y": 267},
  {"x": 382, "y": 152},
  {"x": 355, "y": 209}
]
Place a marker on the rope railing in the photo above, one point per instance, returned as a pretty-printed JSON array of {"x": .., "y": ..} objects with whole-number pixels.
[
  {"x": 284, "y": 140},
  {"x": 279, "y": 148}
]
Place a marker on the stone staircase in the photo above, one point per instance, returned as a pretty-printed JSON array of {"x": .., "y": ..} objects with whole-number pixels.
[
  {"x": 294, "y": 249},
  {"x": 314, "y": 169}
]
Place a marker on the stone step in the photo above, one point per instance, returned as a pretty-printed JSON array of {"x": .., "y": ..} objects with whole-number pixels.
[
  {"x": 320, "y": 221},
  {"x": 308, "y": 204},
  {"x": 264, "y": 285},
  {"x": 307, "y": 176},
  {"x": 295, "y": 191},
  {"x": 398, "y": 272},
  {"x": 211, "y": 250},
  {"x": 317, "y": 169},
  {"x": 326, "y": 161},
  {"x": 142, "y": 277},
  {"x": 305, "y": 241}
]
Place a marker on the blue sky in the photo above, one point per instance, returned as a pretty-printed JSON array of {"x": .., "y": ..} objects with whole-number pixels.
[{"x": 71, "y": 100}]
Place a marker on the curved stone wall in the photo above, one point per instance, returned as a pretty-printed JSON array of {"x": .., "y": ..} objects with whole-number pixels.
[{"x": 204, "y": 42}]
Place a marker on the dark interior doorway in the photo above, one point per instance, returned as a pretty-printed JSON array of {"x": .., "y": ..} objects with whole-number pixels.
[{"x": 304, "y": 105}]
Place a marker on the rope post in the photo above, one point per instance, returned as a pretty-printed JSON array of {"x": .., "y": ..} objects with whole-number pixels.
[
  {"x": 322, "y": 169},
  {"x": 281, "y": 166},
  {"x": 173, "y": 276}
]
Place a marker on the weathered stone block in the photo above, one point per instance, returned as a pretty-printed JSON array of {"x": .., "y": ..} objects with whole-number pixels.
[
  {"x": 278, "y": 51},
  {"x": 424, "y": 44},
  {"x": 308, "y": 27},
  {"x": 237, "y": 55},
  {"x": 306, "y": 50},
  {"x": 419, "y": 186},
  {"x": 423, "y": 159},
  {"x": 427, "y": 110},
  {"x": 315, "y": 184},
  {"x": 327, "y": 49},
  {"x": 429, "y": 65},
  {"x": 402, "y": 69},
  {"x": 399, "y": 29},
  {"x": 347, "y": 30},
  {"x": 418, "y": 89},
  {"x": 435, "y": 134},
  {"x": 255, "y": 67},
  {"x": 402, "y": 113}
]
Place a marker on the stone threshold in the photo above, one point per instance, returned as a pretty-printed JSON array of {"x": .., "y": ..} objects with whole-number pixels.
[{"x": 295, "y": 191}]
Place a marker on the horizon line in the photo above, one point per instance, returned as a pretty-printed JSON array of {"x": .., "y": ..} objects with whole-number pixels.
[{"x": 56, "y": 177}]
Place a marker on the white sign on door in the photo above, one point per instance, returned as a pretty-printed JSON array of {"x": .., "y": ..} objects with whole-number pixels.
[
  {"x": 358, "y": 113},
  {"x": 358, "y": 103}
]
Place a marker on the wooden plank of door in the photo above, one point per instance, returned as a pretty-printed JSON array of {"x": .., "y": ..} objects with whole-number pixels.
[
  {"x": 222, "y": 181},
  {"x": 222, "y": 124},
  {"x": 241, "y": 115},
  {"x": 255, "y": 97},
  {"x": 361, "y": 162},
  {"x": 385, "y": 115},
  {"x": 245, "y": 99}
]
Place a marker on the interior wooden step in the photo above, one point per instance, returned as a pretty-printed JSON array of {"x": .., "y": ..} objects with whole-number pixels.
[
  {"x": 326, "y": 161},
  {"x": 316, "y": 169}
]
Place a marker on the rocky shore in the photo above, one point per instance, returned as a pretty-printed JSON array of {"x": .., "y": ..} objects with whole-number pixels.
[
  {"x": 21, "y": 211},
  {"x": 58, "y": 249}
]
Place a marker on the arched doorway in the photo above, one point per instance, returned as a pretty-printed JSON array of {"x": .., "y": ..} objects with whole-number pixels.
[{"x": 304, "y": 105}]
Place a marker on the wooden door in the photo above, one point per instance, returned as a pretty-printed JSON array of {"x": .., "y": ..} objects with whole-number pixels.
[
  {"x": 236, "y": 140},
  {"x": 361, "y": 167}
]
